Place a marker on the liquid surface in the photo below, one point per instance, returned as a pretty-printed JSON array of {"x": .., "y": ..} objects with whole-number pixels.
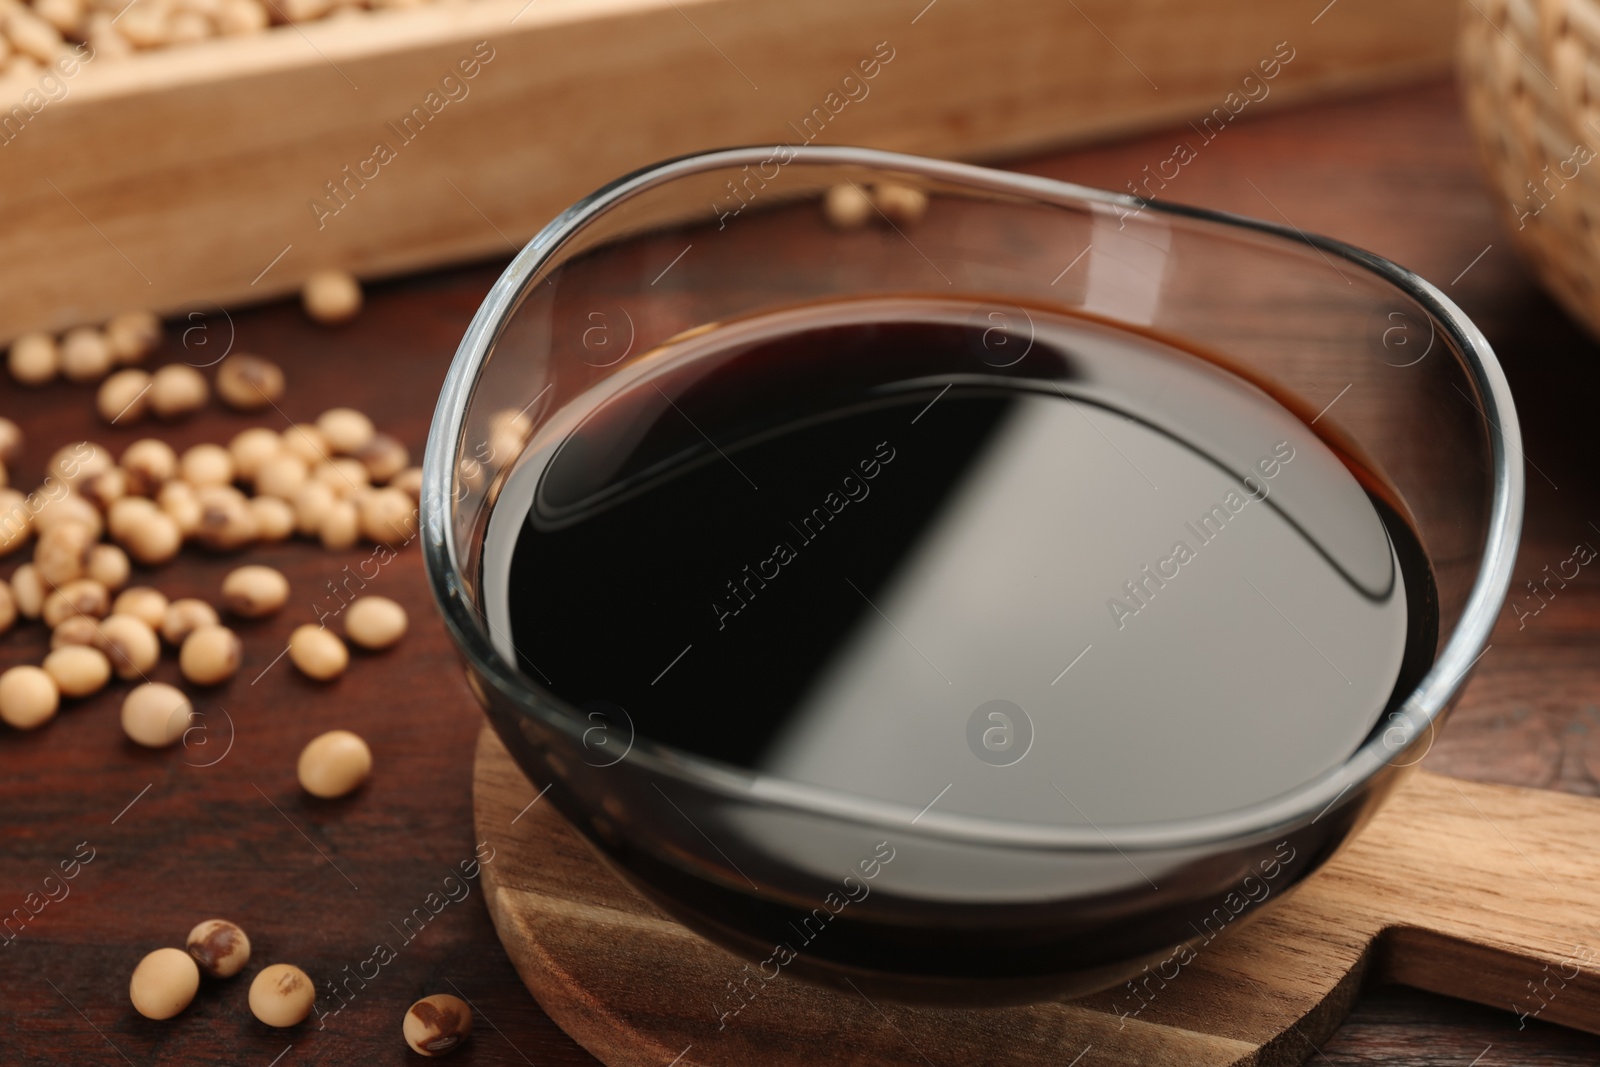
[{"x": 1052, "y": 572}]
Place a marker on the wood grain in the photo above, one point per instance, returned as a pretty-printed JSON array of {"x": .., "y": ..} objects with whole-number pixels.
[
  {"x": 175, "y": 179},
  {"x": 1455, "y": 887},
  {"x": 1393, "y": 172}
]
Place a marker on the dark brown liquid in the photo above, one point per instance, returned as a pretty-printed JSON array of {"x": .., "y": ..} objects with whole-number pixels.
[{"x": 929, "y": 552}]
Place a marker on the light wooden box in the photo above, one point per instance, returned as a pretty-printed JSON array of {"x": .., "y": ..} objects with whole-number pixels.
[{"x": 185, "y": 178}]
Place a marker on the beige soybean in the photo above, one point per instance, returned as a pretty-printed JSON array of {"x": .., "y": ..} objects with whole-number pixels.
[
  {"x": 28, "y": 697},
  {"x": 341, "y": 525},
  {"x": 130, "y": 644},
  {"x": 109, "y": 566},
  {"x": 384, "y": 457},
  {"x": 62, "y": 554},
  {"x": 163, "y": 983},
  {"x": 124, "y": 397},
  {"x": 78, "y": 670},
  {"x": 133, "y": 335},
  {"x": 240, "y": 16},
  {"x": 210, "y": 655},
  {"x": 184, "y": 616},
  {"x": 311, "y": 504},
  {"x": 346, "y": 430},
  {"x": 281, "y": 995},
  {"x": 32, "y": 35},
  {"x": 331, "y": 296},
  {"x": 85, "y": 355},
  {"x": 318, "y": 652},
  {"x": 509, "y": 431},
  {"x": 409, "y": 481},
  {"x": 904, "y": 205},
  {"x": 178, "y": 501},
  {"x": 56, "y": 508},
  {"x": 281, "y": 476},
  {"x": 153, "y": 539},
  {"x": 177, "y": 390},
  {"x": 275, "y": 519},
  {"x": 127, "y": 513},
  {"x": 226, "y": 520},
  {"x": 81, "y": 597},
  {"x": 10, "y": 440},
  {"x": 846, "y": 207},
  {"x": 29, "y": 591},
  {"x": 155, "y": 714},
  {"x": 388, "y": 516},
  {"x": 254, "y": 591},
  {"x": 206, "y": 464},
  {"x": 8, "y": 608},
  {"x": 148, "y": 463},
  {"x": 251, "y": 449},
  {"x": 249, "y": 383},
  {"x": 334, "y": 764},
  {"x": 219, "y": 947},
  {"x": 375, "y": 622},
  {"x": 34, "y": 359},
  {"x": 437, "y": 1025},
  {"x": 306, "y": 441},
  {"x": 345, "y": 476},
  {"x": 78, "y": 462},
  {"x": 105, "y": 488},
  {"x": 76, "y": 630},
  {"x": 16, "y": 521},
  {"x": 147, "y": 605}
]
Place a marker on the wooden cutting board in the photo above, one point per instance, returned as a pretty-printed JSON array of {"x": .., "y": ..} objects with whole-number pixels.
[{"x": 1490, "y": 893}]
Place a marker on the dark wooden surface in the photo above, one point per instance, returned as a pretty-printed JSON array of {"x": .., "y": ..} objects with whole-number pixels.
[{"x": 319, "y": 883}]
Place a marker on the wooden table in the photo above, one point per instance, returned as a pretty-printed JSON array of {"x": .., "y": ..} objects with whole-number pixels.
[{"x": 321, "y": 883}]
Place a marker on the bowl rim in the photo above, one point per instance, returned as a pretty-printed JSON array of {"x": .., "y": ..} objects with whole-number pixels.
[{"x": 1420, "y": 711}]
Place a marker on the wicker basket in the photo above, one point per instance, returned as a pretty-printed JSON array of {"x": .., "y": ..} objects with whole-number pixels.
[{"x": 1530, "y": 72}]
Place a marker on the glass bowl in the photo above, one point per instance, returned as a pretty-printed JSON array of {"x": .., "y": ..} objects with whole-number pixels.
[{"x": 960, "y": 908}]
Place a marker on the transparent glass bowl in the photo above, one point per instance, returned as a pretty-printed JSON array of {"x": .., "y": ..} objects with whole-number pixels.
[{"x": 1040, "y": 910}]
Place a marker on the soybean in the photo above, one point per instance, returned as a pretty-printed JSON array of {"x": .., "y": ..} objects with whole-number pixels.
[
  {"x": 109, "y": 566},
  {"x": 281, "y": 995},
  {"x": 347, "y": 430},
  {"x": 78, "y": 670},
  {"x": 177, "y": 390},
  {"x": 251, "y": 449},
  {"x": 130, "y": 644},
  {"x": 219, "y": 947},
  {"x": 148, "y": 463},
  {"x": 334, "y": 764},
  {"x": 132, "y": 335},
  {"x": 28, "y": 697},
  {"x": 184, "y": 616},
  {"x": 155, "y": 714},
  {"x": 374, "y": 622},
  {"x": 164, "y": 983},
  {"x": 249, "y": 383},
  {"x": 206, "y": 464},
  {"x": 147, "y": 605},
  {"x": 34, "y": 359},
  {"x": 254, "y": 592},
  {"x": 124, "y": 397},
  {"x": 210, "y": 655},
  {"x": 331, "y": 297},
  {"x": 81, "y": 597},
  {"x": 318, "y": 652},
  {"x": 85, "y": 355},
  {"x": 437, "y": 1025}
]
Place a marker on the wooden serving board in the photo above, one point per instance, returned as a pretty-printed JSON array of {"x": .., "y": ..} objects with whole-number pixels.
[
  {"x": 1490, "y": 893},
  {"x": 187, "y": 178}
]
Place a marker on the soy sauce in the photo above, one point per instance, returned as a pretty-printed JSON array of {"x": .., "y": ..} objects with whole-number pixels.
[{"x": 1008, "y": 562}]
